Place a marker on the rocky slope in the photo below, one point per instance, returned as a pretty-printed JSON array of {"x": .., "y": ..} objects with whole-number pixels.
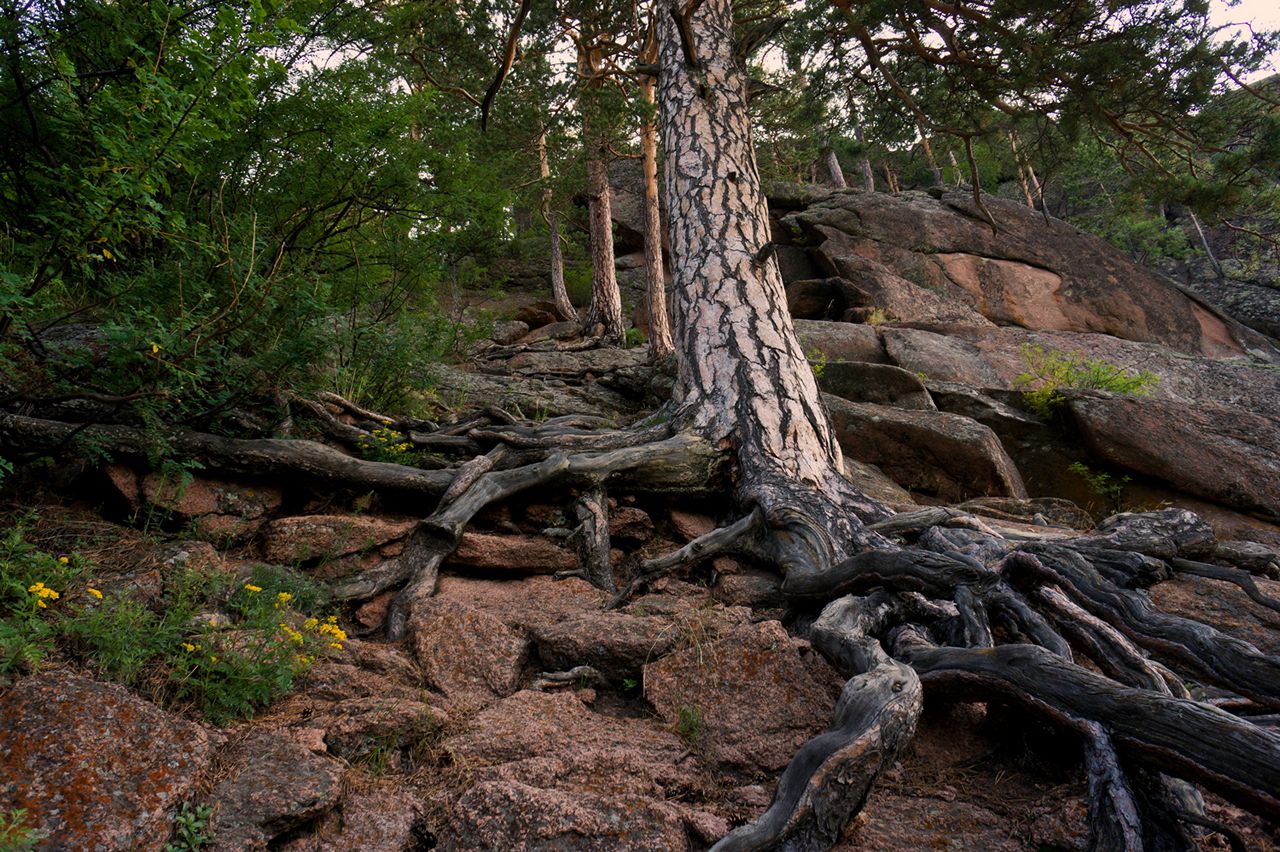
[{"x": 521, "y": 713}]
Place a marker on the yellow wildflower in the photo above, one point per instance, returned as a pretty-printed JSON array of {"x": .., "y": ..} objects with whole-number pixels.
[
  {"x": 42, "y": 604},
  {"x": 283, "y": 598},
  {"x": 335, "y": 631},
  {"x": 252, "y": 589},
  {"x": 155, "y": 348},
  {"x": 94, "y": 592},
  {"x": 63, "y": 560},
  {"x": 41, "y": 591},
  {"x": 189, "y": 648},
  {"x": 310, "y": 624},
  {"x": 336, "y": 646}
]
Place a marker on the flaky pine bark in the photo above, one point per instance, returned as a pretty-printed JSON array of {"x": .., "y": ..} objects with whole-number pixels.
[
  {"x": 559, "y": 294},
  {"x": 660, "y": 343},
  {"x": 742, "y": 378},
  {"x": 605, "y": 310}
]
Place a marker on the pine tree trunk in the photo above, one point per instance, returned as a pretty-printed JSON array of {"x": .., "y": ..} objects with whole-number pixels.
[
  {"x": 932, "y": 161},
  {"x": 605, "y": 311},
  {"x": 1022, "y": 171},
  {"x": 606, "y": 301},
  {"x": 558, "y": 292},
  {"x": 864, "y": 164},
  {"x": 1031, "y": 187},
  {"x": 742, "y": 378},
  {"x": 660, "y": 343},
  {"x": 891, "y": 178},
  {"x": 834, "y": 170}
]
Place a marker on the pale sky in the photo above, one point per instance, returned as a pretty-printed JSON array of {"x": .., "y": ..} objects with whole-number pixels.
[{"x": 1262, "y": 14}]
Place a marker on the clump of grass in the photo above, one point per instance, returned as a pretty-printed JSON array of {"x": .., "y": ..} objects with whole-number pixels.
[{"x": 689, "y": 724}]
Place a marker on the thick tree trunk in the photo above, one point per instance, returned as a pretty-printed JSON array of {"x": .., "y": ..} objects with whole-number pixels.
[
  {"x": 558, "y": 292},
  {"x": 742, "y": 378},
  {"x": 660, "y": 343},
  {"x": 606, "y": 302}
]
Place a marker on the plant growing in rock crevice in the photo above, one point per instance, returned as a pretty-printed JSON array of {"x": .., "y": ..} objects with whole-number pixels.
[{"x": 1050, "y": 371}]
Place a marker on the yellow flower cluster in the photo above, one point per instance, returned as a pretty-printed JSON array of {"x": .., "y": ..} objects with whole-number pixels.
[
  {"x": 282, "y": 599},
  {"x": 294, "y": 636},
  {"x": 389, "y": 440},
  {"x": 94, "y": 592},
  {"x": 43, "y": 593},
  {"x": 189, "y": 648},
  {"x": 331, "y": 629},
  {"x": 252, "y": 589}
]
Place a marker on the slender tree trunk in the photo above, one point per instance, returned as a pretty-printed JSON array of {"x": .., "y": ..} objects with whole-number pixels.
[
  {"x": 1204, "y": 242},
  {"x": 1022, "y": 170},
  {"x": 558, "y": 292},
  {"x": 955, "y": 165},
  {"x": 606, "y": 300},
  {"x": 660, "y": 344},
  {"x": 864, "y": 163},
  {"x": 891, "y": 178},
  {"x": 605, "y": 310},
  {"x": 930, "y": 159},
  {"x": 834, "y": 170}
]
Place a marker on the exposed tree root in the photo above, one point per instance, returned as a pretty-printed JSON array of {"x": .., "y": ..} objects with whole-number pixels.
[
  {"x": 592, "y": 538},
  {"x": 1188, "y": 739},
  {"x": 1239, "y": 577},
  {"x": 254, "y": 457},
  {"x": 830, "y": 778},
  {"x": 966, "y": 608},
  {"x": 714, "y": 543}
]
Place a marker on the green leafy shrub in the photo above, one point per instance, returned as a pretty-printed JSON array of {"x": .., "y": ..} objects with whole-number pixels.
[
  {"x": 191, "y": 829},
  {"x": 31, "y": 584},
  {"x": 227, "y": 664},
  {"x": 577, "y": 283},
  {"x": 1050, "y": 371},
  {"x": 689, "y": 724},
  {"x": 1107, "y": 487},
  {"x": 15, "y": 834},
  {"x": 817, "y": 362}
]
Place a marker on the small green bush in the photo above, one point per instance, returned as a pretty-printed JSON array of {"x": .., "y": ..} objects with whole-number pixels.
[
  {"x": 689, "y": 724},
  {"x": 191, "y": 829},
  {"x": 817, "y": 362},
  {"x": 227, "y": 665},
  {"x": 1051, "y": 371},
  {"x": 15, "y": 834},
  {"x": 31, "y": 582},
  {"x": 1107, "y": 487}
]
